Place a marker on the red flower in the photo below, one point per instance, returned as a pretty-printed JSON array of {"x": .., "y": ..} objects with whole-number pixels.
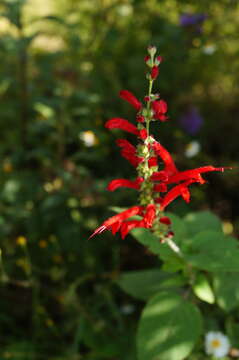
[
  {"x": 140, "y": 118},
  {"x": 178, "y": 190},
  {"x": 160, "y": 187},
  {"x": 149, "y": 215},
  {"x": 127, "y": 226},
  {"x": 116, "y": 183},
  {"x": 143, "y": 134},
  {"x": 154, "y": 72},
  {"x": 116, "y": 221},
  {"x": 153, "y": 161},
  {"x": 170, "y": 167},
  {"x": 128, "y": 96},
  {"x": 119, "y": 123},
  {"x": 193, "y": 174},
  {"x": 119, "y": 221},
  {"x": 165, "y": 220},
  {"x": 128, "y": 151},
  {"x": 159, "y": 108}
]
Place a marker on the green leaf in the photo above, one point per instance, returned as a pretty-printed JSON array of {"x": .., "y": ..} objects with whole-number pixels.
[
  {"x": 226, "y": 290},
  {"x": 147, "y": 238},
  {"x": 169, "y": 328},
  {"x": 203, "y": 290},
  {"x": 213, "y": 251},
  {"x": 201, "y": 221},
  {"x": 145, "y": 283},
  {"x": 179, "y": 228}
]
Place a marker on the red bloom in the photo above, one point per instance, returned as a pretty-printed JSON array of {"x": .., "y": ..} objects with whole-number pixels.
[
  {"x": 159, "y": 108},
  {"x": 140, "y": 118},
  {"x": 119, "y": 123},
  {"x": 143, "y": 134},
  {"x": 165, "y": 220},
  {"x": 128, "y": 151},
  {"x": 154, "y": 72},
  {"x": 153, "y": 161},
  {"x": 119, "y": 221},
  {"x": 158, "y": 60},
  {"x": 150, "y": 215},
  {"x": 193, "y": 174},
  {"x": 170, "y": 167},
  {"x": 160, "y": 187},
  {"x": 116, "y": 221},
  {"x": 127, "y": 226},
  {"x": 115, "y": 184},
  {"x": 178, "y": 190},
  {"x": 128, "y": 96},
  {"x": 160, "y": 176}
]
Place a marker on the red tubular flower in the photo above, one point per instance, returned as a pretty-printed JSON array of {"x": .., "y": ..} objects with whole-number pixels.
[
  {"x": 170, "y": 167},
  {"x": 193, "y": 174},
  {"x": 154, "y": 72},
  {"x": 128, "y": 96},
  {"x": 115, "y": 221},
  {"x": 160, "y": 176},
  {"x": 165, "y": 220},
  {"x": 119, "y": 123},
  {"x": 178, "y": 190},
  {"x": 149, "y": 215},
  {"x": 160, "y": 108},
  {"x": 128, "y": 151},
  {"x": 143, "y": 134},
  {"x": 116, "y": 183},
  {"x": 140, "y": 118},
  {"x": 127, "y": 226},
  {"x": 153, "y": 161},
  {"x": 160, "y": 187}
]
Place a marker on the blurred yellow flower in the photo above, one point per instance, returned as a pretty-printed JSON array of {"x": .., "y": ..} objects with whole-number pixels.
[
  {"x": 21, "y": 240},
  {"x": 7, "y": 166},
  {"x": 42, "y": 244}
]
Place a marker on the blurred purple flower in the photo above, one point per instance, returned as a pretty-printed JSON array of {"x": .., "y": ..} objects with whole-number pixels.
[
  {"x": 187, "y": 19},
  {"x": 191, "y": 121}
]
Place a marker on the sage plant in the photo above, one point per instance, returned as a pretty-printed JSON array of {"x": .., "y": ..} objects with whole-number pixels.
[{"x": 158, "y": 180}]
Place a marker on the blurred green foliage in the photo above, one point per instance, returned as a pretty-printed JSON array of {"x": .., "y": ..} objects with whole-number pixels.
[{"x": 62, "y": 65}]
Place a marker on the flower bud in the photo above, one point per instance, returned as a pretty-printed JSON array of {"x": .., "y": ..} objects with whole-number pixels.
[
  {"x": 140, "y": 118},
  {"x": 154, "y": 72},
  {"x": 158, "y": 60},
  {"x": 152, "y": 50}
]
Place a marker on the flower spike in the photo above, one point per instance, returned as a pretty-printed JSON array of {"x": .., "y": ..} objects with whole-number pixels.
[{"x": 158, "y": 179}]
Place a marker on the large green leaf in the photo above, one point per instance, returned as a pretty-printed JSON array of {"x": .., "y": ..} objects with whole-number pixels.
[
  {"x": 226, "y": 290},
  {"x": 145, "y": 283},
  {"x": 213, "y": 251},
  {"x": 168, "y": 329},
  {"x": 201, "y": 221},
  {"x": 179, "y": 228},
  {"x": 202, "y": 289},
  {"x": 147, "y": 238},
  {"x": 172, "y": 261}
]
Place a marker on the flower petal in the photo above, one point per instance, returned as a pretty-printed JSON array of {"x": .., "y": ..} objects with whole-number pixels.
[
  {"x": 178, "y": 190},
  {"x": 170, "y": 166},
  {"x": 127, "y": 226},
  {"x": 149, "y": 215},
  {"x": 116, "y": 183},
  {"x": 192, "y": 174},
  {"x": 128, "y": 151},
  {"x": 128, "y": 96},
  {"x": 119, "y": 123}
]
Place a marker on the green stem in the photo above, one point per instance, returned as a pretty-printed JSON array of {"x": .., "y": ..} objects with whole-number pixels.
[{"x": 148, "y": 118}]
